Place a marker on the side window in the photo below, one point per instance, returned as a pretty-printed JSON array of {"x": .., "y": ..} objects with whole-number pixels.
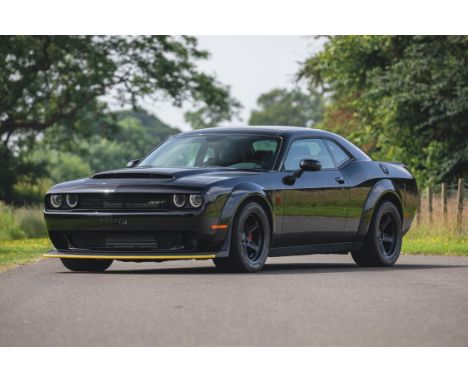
[
  {"x": 308, "y": 149},
  {"x": 337, "y": 152}
]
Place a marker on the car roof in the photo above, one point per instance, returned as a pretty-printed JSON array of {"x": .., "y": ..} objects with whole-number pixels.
[
  {"x": 268, "y": 130},
  {"x": 283, "y": 131}
]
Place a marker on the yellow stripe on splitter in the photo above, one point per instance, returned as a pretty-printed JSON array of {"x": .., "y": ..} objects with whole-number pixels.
[{"x": 117, "y": 257}]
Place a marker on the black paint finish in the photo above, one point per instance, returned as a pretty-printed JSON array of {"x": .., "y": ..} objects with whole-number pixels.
[{"x": 325, "y": 211}]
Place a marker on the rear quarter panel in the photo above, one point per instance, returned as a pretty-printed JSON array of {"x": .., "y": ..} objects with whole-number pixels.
[{"x": 369, "y": 183}]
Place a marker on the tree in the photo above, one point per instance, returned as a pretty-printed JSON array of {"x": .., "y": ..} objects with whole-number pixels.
[
  {"x": 401, "y": 97},
  {"x": 66, "y": 156},
  {"x": 204, "y": 117},
  {"x": 137, "y": 133},
  {"x": 108, "y": 142},
  {"x": 58, "y": 80},
  {"x": 288, "y": 108}
]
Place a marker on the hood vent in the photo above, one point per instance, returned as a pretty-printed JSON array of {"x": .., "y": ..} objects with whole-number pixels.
[{"x": 131, "y": 175}]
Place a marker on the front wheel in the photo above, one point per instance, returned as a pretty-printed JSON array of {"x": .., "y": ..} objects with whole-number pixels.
[
  {"x": 382, "y": 244},
  {"x": 86, "y": 265},
  {"x": 250, "y": 241}
]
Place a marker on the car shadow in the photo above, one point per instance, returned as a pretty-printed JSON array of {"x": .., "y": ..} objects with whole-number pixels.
[{"x": 283, "y": 268}]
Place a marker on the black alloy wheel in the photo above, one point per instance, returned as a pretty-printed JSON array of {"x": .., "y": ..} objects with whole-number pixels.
[
  {"x": 387, "y": 235},
  {"x": 250, "y": 240},
  {"x": 382, "y": 244},
  {"x": 252, "y": 237}
]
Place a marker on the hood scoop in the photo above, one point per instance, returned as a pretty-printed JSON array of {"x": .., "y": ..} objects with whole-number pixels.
[{"x": 131, "y": 175}]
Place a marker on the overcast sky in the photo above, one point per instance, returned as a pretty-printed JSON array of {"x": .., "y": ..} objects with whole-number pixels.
[{"x": 250, "y": 65}]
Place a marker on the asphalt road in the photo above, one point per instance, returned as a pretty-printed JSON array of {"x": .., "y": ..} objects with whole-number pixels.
[{"x": 306, "y": 300}]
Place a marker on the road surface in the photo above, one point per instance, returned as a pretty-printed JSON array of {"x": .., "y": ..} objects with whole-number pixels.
[{"x": 296, "y": 301}]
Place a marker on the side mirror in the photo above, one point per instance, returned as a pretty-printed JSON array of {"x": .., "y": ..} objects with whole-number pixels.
[
  {"x": 305, "y": 165},
  {"x": 310, "y": 165},
  {"x": 133, "y": 163}
]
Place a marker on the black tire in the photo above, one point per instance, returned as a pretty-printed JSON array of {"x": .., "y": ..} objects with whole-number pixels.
[
  {"x": 86, "y": 265},
  {"x": 250, "y": 241},
  {"x": 382, "y": 244}
]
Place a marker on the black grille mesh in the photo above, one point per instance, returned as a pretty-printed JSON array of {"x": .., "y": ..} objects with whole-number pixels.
[
  {"x": 124, "y": 202},
  {"x": 134, "y": 241}
]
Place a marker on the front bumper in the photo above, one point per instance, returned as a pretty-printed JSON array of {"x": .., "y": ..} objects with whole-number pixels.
[{"x": 203, "y": 228}]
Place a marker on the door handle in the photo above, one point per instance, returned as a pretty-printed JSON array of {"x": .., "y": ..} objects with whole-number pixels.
[{"x": 339, "y": 179}]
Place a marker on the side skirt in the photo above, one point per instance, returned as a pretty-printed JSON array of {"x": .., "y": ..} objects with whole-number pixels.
[{"x": 334, "y": 248}]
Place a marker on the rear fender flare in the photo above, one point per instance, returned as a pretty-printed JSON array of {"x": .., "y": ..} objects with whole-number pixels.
[{"x": 381, "y": 189}]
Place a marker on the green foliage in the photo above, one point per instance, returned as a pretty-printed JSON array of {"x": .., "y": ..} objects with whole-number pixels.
[
  {"x": 31, "y": 221},
  {"x": 133, "y": 134},
  {"x": 31, "y": 192},
  {"x": 62, "y": 166},
  {"x": 20, "y": 223},
  {"x": 109, "y": 142},
  {"x": 287, "y": 108},
  {"x": 9, "y": 227},
  {"x": 205, "y": 117},
  {"x": 55, "y": 82},
  {"x": 401, "y": 98},
  {"x": 50, "y": 79}
]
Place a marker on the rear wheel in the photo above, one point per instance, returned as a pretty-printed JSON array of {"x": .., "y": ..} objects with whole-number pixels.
[
  {"x": 86, "y": 265},
  {"x": 382, "y": 244},
  {"x": 250, "y": 241}
]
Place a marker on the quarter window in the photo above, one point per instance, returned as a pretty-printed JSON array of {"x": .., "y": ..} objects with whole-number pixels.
[
  {"x": 308, "y": 149},
  {"x": 340, "y": 156}
]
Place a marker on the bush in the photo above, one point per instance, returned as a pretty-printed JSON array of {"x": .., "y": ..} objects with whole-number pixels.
[
  {"x": 28, "y": 193},
  {"x": 9, "y": 227},
  {"x": 31, "y": 221}
]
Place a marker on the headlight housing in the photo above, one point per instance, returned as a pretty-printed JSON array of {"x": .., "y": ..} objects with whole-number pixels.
[
  {"x": 196, "y": 200},
  {"x": 72, "y": 200},
  {"x": 179, "y": 200},
  {"x": 56, "y": 200}
]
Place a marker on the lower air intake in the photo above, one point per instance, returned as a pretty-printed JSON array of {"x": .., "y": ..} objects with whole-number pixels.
[{"x": 128, "y": 241}]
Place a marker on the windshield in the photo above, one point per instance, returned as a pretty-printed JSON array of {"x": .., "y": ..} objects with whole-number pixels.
[{"x": 234, "y": 151}]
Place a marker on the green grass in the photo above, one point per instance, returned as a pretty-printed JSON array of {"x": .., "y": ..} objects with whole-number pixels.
[
  {"x": 436, "y": 245},
  {"x": 440, "y": 237},
  {"x": 17, "y": 252}
]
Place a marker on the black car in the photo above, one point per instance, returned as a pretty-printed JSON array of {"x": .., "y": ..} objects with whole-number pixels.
[{"x": 237, "y": 196}]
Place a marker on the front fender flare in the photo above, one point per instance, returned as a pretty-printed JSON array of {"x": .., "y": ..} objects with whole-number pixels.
[
  {"x": 238, "y": 195},
  {"x": 233, "y": 200}
]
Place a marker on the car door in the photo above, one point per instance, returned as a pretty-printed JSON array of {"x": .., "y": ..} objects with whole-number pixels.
[{"x": 315, "y": 206}]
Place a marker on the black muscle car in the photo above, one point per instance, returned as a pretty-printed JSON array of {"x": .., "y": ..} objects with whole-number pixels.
[{"x": 237, "y": 196}]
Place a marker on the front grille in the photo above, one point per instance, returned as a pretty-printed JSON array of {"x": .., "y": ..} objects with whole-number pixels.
[
  {"x": 124, "y": 202},
  {"x": 133, "y": 241}
]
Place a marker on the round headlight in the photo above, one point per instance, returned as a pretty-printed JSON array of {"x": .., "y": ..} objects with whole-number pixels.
[
  {"x": 56, "y": 200},
  {"x": 179, "y": 200},
  {"x": 196, "y": 200},
  {"x": 72, "y": 200}
]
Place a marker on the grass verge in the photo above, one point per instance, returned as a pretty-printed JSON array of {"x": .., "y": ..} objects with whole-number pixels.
[
  {"x": 435, "y": 245},
  {"x": 17, "y": 252}
]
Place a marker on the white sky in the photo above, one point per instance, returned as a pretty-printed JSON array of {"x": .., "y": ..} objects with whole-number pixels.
[{"x": 250, "y": 65}]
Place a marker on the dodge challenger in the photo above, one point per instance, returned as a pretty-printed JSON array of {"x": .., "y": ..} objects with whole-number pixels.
[{"x": 236, "y": 196}]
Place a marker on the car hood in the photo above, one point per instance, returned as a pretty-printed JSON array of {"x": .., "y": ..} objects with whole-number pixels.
[{"x": 146, "y": 179}]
